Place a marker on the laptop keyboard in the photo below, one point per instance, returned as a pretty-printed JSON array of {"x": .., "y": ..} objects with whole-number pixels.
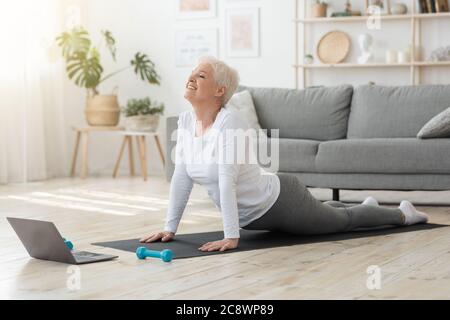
[{"x": 85, "y": 254}]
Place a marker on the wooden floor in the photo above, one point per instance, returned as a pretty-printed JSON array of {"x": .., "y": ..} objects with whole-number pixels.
[{"x": 412, "y": 264}]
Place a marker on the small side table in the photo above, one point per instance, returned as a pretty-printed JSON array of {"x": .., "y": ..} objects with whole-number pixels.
[
  {"x": 142, "y": 149},
  {"x": 82, "y": 133}
]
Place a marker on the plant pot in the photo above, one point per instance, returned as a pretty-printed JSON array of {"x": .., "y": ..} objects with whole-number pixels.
[
  {"x": 319, "y": 10},
  {"x": 102, "y": 110},
  {"x": 148, "y": 123}
]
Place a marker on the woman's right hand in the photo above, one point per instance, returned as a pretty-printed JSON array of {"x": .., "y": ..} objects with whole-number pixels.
[{"x": 164, "y": 236}]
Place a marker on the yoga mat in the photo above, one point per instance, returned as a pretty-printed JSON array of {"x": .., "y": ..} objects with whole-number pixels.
[{"x": 186, "y": 245}]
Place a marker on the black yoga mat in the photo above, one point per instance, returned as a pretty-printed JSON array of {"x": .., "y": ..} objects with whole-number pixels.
[{"x": 186, "y": 245}]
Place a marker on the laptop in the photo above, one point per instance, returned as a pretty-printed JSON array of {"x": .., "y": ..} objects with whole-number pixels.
[{"x": 43, "y": 241}]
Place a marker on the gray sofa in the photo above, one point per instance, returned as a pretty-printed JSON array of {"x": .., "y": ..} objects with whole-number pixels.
[{"x": 354, "y": 138}]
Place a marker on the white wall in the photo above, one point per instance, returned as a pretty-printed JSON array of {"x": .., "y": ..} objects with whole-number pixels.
[{"x": 150, "y": 26}]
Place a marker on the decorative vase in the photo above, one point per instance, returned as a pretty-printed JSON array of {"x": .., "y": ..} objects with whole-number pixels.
[
  {"x": 102, "y": 110},
  {"x": 319, "y": 10},
  {"x": 404, "y": 56},
  {"x": 391, "y": 56},
  {"x": 399, "y": 8},
  {"x": 148, "y": 123}
]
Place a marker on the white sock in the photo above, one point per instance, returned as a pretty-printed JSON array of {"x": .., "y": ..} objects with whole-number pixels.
[
  {"x": 412, "y": 215},
  {"x": 371, "y": 201}
]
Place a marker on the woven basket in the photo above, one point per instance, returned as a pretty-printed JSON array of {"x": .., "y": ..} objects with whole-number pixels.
[
  {"x": 102, "y": 110},
  {"x": 333, "y": 47}
]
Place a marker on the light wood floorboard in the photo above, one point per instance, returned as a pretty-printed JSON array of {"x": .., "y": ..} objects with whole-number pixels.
[{"x": 413, "y": 264}]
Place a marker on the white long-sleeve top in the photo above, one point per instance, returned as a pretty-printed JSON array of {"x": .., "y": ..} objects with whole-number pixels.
[{"x": 241, "y": 190}]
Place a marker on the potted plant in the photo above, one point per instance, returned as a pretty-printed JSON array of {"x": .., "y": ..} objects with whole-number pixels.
[
  {"x": 83, "y": 66},
  {"x": 319, "y": 9},
  {"x": 142, "y": 114},
  {"x": 308, "y": 59}
]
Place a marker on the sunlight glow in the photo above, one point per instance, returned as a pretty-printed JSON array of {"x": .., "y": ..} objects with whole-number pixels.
[
  {"x": 28, "y": 28},
  {"x": 70, "y": 205},
  {"x": 100, "y": 202},
  {"x": 128, "y": 197}
]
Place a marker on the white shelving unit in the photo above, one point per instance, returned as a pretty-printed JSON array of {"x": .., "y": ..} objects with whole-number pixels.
[{"x": 414, "y": 18}]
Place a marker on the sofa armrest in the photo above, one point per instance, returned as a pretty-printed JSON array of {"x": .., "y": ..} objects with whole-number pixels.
[{"x": 171, "y": 127}]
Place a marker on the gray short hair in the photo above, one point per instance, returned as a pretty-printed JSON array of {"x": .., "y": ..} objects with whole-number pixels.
[{"x": 224, "y": 76}]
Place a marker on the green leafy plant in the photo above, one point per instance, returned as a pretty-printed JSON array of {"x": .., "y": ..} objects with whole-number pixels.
[
  {"x": 143, "y": 106},
  {"x": 83, "y": 64},
  {"x": 309, "y": 58},
  {"x": 323, "y": 3}
]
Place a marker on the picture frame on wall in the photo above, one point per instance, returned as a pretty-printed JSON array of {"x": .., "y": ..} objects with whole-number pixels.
[
  {"x": 242, "y": 32},
  {"x": 381, "y": 6},
  {"x": 195, "y": 9},
  {"x": 191, "y": 44}
]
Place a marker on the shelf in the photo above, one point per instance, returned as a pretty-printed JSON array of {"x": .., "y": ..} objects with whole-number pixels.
[
  {"x": 432, "y": 15},
  {"x": 382, "y": 17},
  {"x": 353, "y": 65},
  {"x": 431, "y": 63},
  {"x": 410, "y": 22},
  {"x": 352, "y": 19},
  {"x": 376, "y": 65}
]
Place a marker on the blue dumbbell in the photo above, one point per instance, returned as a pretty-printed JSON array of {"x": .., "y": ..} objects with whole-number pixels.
[
  {"x": 68, "y": 243},
  {"x": 165, "y": 255}
]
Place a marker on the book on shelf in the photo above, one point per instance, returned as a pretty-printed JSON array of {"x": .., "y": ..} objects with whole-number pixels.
[
  {"x": 430, "y": 6},
  {"x": 433, "y": 6},
  {"x": 422, "y": 5},
  {"x": 442, "y": 6}
]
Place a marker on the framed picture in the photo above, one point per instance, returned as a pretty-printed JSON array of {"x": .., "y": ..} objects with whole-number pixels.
[
  {"x": 378, "y": 6},
  {"x": 242, "y": 32},
  {"x": 195, "y": 9},
  {"x": 192, "y": 44}
]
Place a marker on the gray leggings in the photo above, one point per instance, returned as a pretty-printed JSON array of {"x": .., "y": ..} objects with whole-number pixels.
[{"x": 297, "y": 211}]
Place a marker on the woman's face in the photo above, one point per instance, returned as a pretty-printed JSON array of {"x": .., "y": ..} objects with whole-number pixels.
[{"x": 201, "y": 87}]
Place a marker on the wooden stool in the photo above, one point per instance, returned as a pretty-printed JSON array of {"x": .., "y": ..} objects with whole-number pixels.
[
  {"x": 142, "y": 149},
  {"x": 83, "y": 134}
]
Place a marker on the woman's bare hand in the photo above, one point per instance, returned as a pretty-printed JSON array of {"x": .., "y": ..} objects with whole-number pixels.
[
  {"x": 221, "y": 245},
  {"x": 164, "y": 236}
]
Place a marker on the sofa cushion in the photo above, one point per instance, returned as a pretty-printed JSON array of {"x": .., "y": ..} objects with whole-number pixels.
[
  {"x": 297, "y": 155},
  {"x": 394, "y": 112},
  {"x": 437, "y": 127},
  {"x": 242, "y": 103},
  {"x": 314, "y": 113},
  {"x": 398, "y": 155}
]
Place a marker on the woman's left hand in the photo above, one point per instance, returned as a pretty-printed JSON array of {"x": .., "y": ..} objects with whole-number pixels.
[{"x": 221, "y": 245}]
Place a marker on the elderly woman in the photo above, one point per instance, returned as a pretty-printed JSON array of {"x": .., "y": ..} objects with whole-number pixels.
[{"x": 246, "y": 196}]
